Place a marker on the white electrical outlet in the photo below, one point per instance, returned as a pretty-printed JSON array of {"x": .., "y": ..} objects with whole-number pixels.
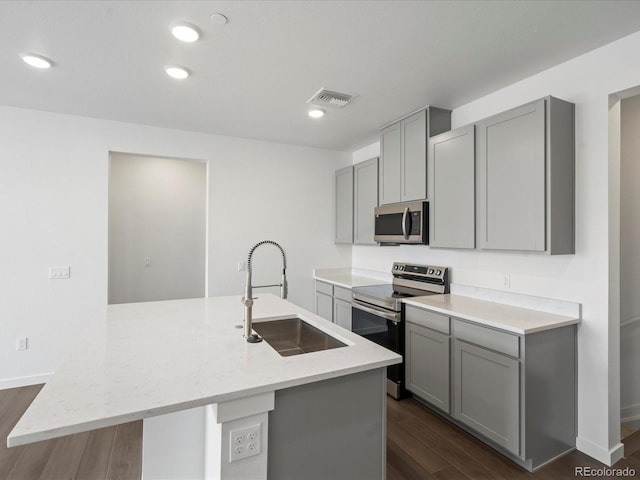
[
  {"x": 22, "y": 343},
  {"x": 147, "y": 261},
  {"x": 244, "y": 442},
  {"x": 242, "y": 266},
  {"x": 59, "y": 272},
  {"x": 506, "y": 280}
]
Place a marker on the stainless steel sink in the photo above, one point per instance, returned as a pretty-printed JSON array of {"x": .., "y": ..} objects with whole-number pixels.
[{"x": 294, "y": 336}]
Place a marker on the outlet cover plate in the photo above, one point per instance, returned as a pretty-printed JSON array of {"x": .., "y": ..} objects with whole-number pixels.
[
  {"x": 59, "y": 272},
  {"x": 245, "y": 442}
]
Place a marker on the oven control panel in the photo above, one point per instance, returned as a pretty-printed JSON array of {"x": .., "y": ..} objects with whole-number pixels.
[{"x": 419, "y": 271}]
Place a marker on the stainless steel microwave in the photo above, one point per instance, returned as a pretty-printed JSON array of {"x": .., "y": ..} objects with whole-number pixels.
[{"x": 402, "y": 223}]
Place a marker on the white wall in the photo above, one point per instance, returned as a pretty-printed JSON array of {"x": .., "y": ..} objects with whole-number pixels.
[
  {"x": 630, "y": 260},
  {"x": 157, "y": 228},
  {"x": 587, "y": 81},
  {"x": 53, "y": 208}
]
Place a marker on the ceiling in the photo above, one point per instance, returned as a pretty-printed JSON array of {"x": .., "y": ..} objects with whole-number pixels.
[{"x": 252, "y": 76}]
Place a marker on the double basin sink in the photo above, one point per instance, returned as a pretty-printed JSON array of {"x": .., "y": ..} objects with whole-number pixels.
[{"x": 294, "y": 336}]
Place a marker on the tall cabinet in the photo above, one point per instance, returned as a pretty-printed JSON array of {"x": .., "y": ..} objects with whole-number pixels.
[{"x": 403, "y": 154}]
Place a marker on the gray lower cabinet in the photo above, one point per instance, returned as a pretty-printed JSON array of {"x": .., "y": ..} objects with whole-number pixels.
[
  {"x": 342, "y": 313},
  {"x": 487, "y": 393},
  {"x": 324, "y": 306},
  {"x": 451, "y": 175},
  {"x": 525, "y": 178},
  {"x": 344, "y": 205},
  {"x": 427, "y": 365},
  {"x": 403, "y": 154},
  {"x": 515, "y": 392},
  {"x": 333, "y": 303}
]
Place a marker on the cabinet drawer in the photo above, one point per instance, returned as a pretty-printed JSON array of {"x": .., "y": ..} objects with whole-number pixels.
[
  {"x": 425, "y": 318},
  {"x": 342, "y": 293},
  {"x": 325, "y": 288},
  {"x": 486, "y": 337}
]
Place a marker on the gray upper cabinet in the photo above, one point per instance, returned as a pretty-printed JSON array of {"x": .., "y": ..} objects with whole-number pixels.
[
  {"x": 390, "y": 139},
  {"x": 356, "y": 197},
  {"x": 451, "y": 175},
  {"x": 413, "y": 168},
  {"x": 403, "y": 155},
  {"x": 365, "y": 196},
  {"x": 344, "y": 205},
  {"x": 525, "y": 179}
]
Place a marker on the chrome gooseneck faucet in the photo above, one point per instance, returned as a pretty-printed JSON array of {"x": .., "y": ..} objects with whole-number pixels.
[{"x": 248, "y": 290}]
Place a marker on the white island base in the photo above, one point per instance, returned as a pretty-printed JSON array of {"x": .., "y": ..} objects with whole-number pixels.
[{"x": 328, "y": 429}]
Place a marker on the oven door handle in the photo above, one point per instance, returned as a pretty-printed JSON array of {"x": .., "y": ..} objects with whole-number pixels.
[{"x": 393, "y": 316}]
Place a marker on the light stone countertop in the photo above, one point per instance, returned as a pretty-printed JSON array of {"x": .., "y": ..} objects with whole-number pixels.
[
  {"x": 346, "y": 278},
  {"x": 145, "y": 359},
  {"x": 509, "y": 318}
]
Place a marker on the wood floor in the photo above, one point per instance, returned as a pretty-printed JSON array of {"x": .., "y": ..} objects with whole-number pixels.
[
  {"x": 420, "y": 445},
  {"x": 113, "y": 453}
]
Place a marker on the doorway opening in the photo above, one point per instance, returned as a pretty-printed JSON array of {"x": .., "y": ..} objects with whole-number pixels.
[
  {"x": 625, "y": 136},
  {"x": 157, "y": 228}
]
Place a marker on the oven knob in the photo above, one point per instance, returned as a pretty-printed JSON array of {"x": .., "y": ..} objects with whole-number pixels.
[
  {"x": 438, "y": 272},
  {"x": 430, "y": 272},
  {"x": 395, "y": 267},
  {"x": 401, "y": 267}
]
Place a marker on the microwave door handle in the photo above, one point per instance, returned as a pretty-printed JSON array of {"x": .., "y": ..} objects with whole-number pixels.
[{"x": 404, "y": 223}]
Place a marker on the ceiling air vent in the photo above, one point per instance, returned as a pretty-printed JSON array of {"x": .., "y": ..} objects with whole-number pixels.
[{"x": 327, "y": 98}]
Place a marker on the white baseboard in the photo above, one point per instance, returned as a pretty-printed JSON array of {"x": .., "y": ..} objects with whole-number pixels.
[
  {"x": 627, "y": 322},
  {"x": 631, "y": 416},
  {"x": 607, "y": 456},
  {"x": 24, "y": 381}
]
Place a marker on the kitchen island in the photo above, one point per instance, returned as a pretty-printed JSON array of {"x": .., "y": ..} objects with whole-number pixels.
[{"x": 184, "y": 368}]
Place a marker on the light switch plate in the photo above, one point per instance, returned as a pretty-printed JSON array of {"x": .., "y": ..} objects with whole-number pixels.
[{"x": 22, "y": 343}]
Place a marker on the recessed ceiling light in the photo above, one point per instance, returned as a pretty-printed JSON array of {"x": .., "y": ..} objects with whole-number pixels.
[
  {"x": 185, "y": 31},
  {"x": 36, "y": 60},
  {"x": 177, "y": 71},
  {"x": 316, "y": 113},
  {"x": 218, "y": 18}
]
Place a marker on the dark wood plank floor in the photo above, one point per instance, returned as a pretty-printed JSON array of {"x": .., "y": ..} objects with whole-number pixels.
[
  {"x": 113, "y": 453},
  {"x": 420, "y": 445},
  {"x": 423, "y": 445}
]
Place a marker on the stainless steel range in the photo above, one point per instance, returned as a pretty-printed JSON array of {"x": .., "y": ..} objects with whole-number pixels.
[{"x": 377, "y": 312}]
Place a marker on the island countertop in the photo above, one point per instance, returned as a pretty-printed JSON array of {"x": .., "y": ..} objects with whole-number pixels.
[{"x": 146, "y": 359}]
